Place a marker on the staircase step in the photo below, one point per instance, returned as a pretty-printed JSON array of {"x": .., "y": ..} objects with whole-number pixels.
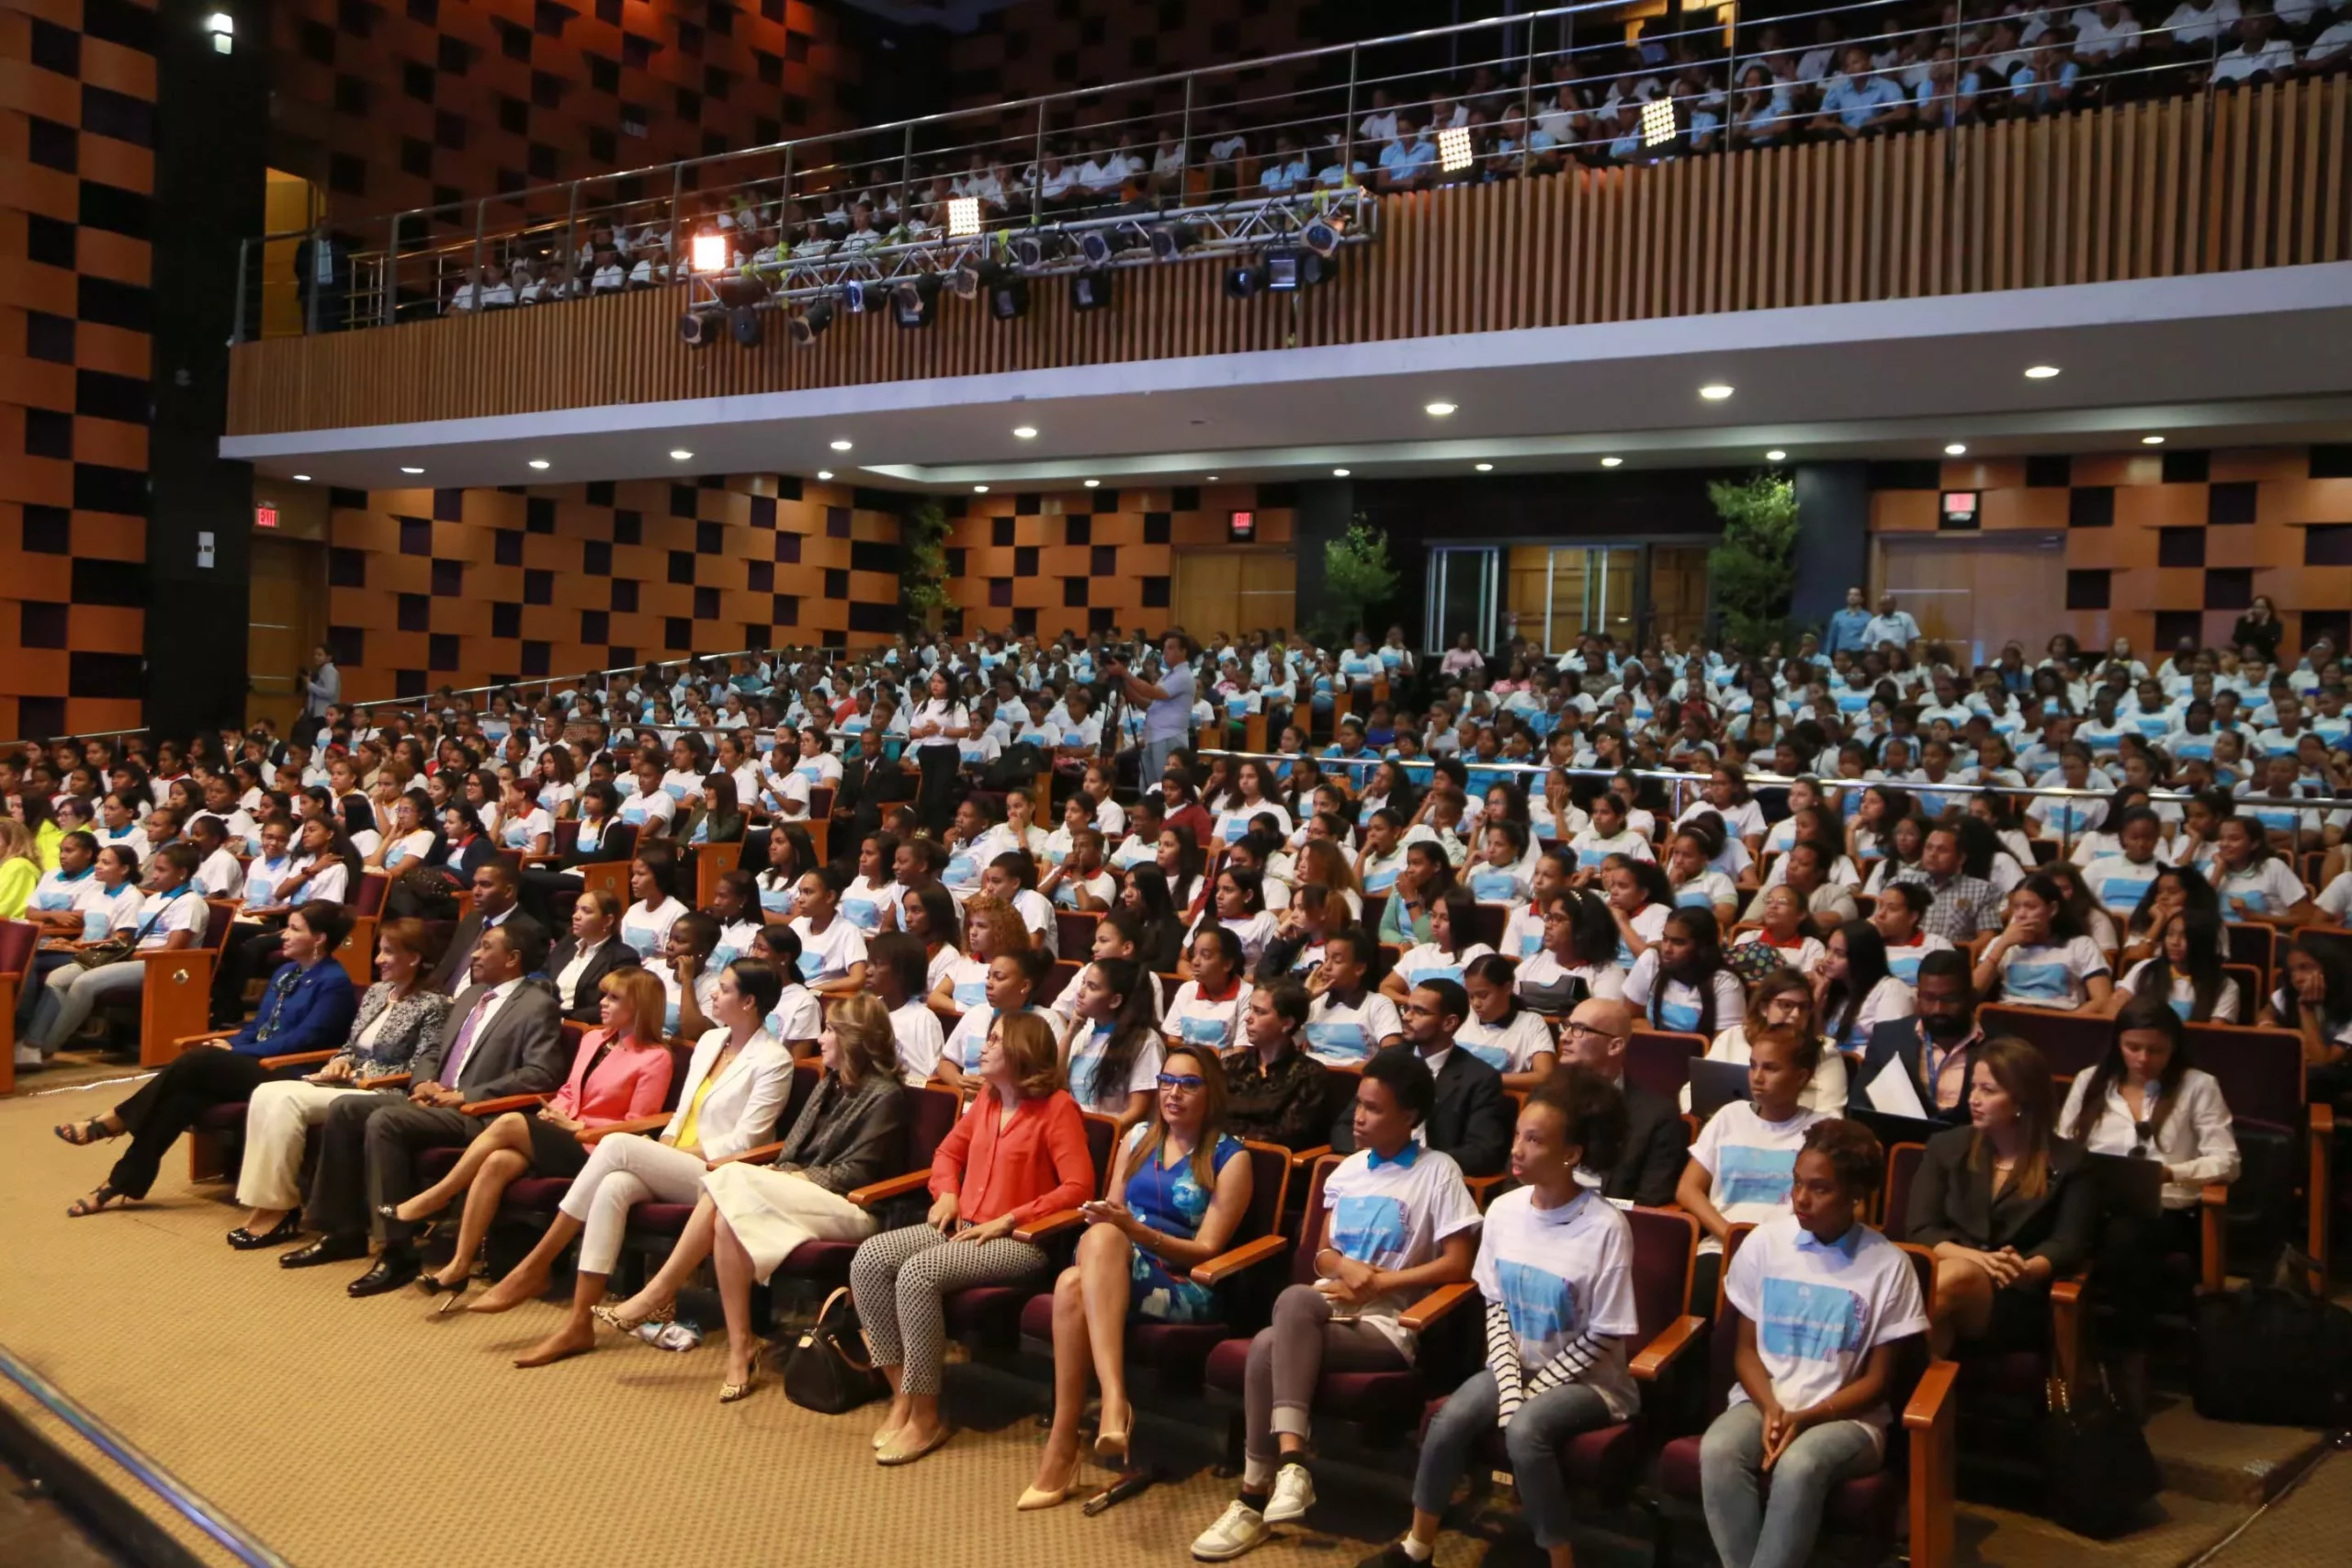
[
  {"x": 2179, "y": 1530},
  {"x": 2222, "y": 1462}
]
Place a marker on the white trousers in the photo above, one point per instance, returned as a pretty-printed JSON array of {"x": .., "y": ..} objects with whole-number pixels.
[
  {"x": 279, "y": 1116},
  {"x": 773, "y": 1211},
  {"x": 624, "y": 1170}
]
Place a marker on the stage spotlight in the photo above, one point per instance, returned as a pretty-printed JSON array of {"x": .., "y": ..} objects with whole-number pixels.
[
  {"x": 710, "y": 253},
  {"x": 962, "y": 217},
  {"x": 1169, "y": 240},
  {"x": 1008, "y": 294},
  {"x": 1243, "y": 282},
  {"x": 810, "y": 324},
  {"x": 1453, "y": 153},
  {"x": 1095, "y": 246},
  {"x": 853, "y": 297},
  {"x": 1321, "y": 236},
  {"x": 740, "y": 290},
  {"x": 964, "y": 279},
  {"x": 1037, "y": 246},
  {"x": 1090, "y": 291},
  {"x": 745, "y": 322},
  {"x": 911, "y": 300},
  {"x": 697, "y": 328},
  {"x": 1282, "y": 271},
  {"x": 1657, "y": 121}
]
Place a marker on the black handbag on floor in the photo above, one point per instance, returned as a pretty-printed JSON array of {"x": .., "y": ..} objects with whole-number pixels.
[
  {"x": 2275, "y": 1355},
  {"x": 830, "y": 1369},
  {"x": 2095, "y": 1460}
]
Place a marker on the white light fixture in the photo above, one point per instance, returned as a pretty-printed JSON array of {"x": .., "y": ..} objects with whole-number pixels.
[
  {"x": 1025, "y": 433},
  {"x": 1094, "y": 484},
  {"x": 224, "y": 29},
  {"x": 824, "y": 473},
  {"x": 1339, "y": 473},
  {"x": 841, "y": 445},
  {"x": 540, "y": 463},
  {"x": 1438, "y": 410},
  {"x": 407, "y": 470},
  {"x": 1657, "y": 121},
  {"x": 680, "y": 454},
  {"x": 1485, "y": 468},
  {"x": 980, "y": 490},
  {"x": 1776, "y": 456},
  {"x": 710, "y": 253},
  {"x": 301, "y": 478},
  {"x": 962, "y": 217},
  {"x": 1211, "y": 479},
  {"x": 1453, "y": 153},
  {"x": 1715, "y": 392},
  {"x": 2151, "y": 441},
  {"x": 2039, "y": 372},
  {"x": 1611, "y": 462},
  {"x": 1956, "y": 449}
]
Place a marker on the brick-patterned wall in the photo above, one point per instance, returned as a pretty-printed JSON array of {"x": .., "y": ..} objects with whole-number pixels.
[
  {"x": 77, "y": 94},
  {"x": 466, "y": 587},
  {"x": 2164, "y": 544},
  {"x": 396, "y": 104},
  {"x": 1040, "y": 47},
  {"x": 1092, "y": 559}
]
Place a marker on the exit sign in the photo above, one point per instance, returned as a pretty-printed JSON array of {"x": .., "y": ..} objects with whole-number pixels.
[
  {"x": 1959, "y": 511},
  {"x": 265, "y": 517},
  {"x": 1241, "y": 527}
]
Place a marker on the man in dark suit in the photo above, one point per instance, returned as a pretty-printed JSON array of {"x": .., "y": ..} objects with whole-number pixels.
[
  {"x": 503, "y": 1036},
  {"x": 578, "y": 966},
  {"x": 1938, "y": 1048},
  {"x": 1472, "y": 1119},
  {"x": 1656, "y": 1140},
  {"x": 494, "y": 893}
]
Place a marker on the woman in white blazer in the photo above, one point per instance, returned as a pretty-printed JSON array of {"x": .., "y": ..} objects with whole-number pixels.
[{"x": 735, "y": 1088}]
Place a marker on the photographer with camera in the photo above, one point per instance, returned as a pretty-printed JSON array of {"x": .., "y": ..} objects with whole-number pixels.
[{"x": 1168, "y": 705}]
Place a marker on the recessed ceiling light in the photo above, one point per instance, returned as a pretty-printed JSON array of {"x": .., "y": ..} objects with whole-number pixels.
[
  {"x": 538, "y": 462},
  {"x": 1211, "y": 479},
  {"x": 1484, "y": 468},
  {"x": 1024, "y": 431},
  {"x": 301, "y": 478},
  {"x": 2039, "y": 372},
  {"x": 1611, "y": 462},
  {"x": 1094, "y": 484},
  {"x": 824, "y": 473},
  {"x": 1438, "y": 410},
  {"x": 1339, "y": 473},
  {"x": 411, "y": 470},
  {"x": 841, "y": 445},
  {"x": 1776, "y": 456},
  {"x": 1956, "y": 449},
  {"x": 980, "y": 490},
  {"x": 2151, "y": 441},
  {"x": 1715, "y": 392},
  {"x": 680, "y": 454}
]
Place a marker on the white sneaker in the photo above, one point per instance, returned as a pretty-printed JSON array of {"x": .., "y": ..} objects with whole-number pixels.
[
  {"x": 30, "y": 1057},
  {"x": 1238, "y": 1528},
  {"x": 1293, "y": 1495}
]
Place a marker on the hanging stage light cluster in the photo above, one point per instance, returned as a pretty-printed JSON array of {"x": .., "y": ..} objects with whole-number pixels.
[{"x": 1276, "y": 246}]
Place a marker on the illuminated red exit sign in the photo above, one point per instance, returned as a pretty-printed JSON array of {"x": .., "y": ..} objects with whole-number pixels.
[
  {"x": 1241, "y": 527},
  {"x": 265, "y": 517}
]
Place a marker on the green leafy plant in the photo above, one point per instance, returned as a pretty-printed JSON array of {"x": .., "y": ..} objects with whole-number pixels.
[
  {"x": 1357, "y": 579},
  {"x": 1752, "y": 573},
  {"x": 923, "y": 563}
]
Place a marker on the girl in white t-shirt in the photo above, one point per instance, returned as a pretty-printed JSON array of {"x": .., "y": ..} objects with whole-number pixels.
[
  {"x": 654, "y": 908},
  {"x": 172, "y": 915},
  {"x": 1207, "y": 1010},
  {"x": 1447, "y": 955},
  {"x": 1501, "y": 1031},
  {"x": 1682, "y": 985},
  {"x": 1780, "y": 912},
  {"x": 2187, "y": 972},
  {"x": 1743, "y": 1158},
  {"x": 1855, "y": 991},
  {"x": 833, "y": 950},
  {"x": 2042, "y": 958}
]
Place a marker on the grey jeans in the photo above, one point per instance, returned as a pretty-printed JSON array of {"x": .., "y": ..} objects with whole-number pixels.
[
  {"x": 1289, "y": 1357},
  {"x": 1154, "y": 761},
  {"x": 1533, "y": 1439},
  {"x": 1751, "y": 1531}
]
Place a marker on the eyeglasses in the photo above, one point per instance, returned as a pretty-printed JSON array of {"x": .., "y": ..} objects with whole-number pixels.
[
  {"x": 1586, "y": 1031},
  {"x": 1189, "y": 1082}
]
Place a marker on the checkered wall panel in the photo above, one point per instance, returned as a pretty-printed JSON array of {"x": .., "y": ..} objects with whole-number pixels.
[
  {"x": 2162, "y": 544},
  {"x": 1038, "y": 46},
  {"x": 77, "y": 94},
  {"x": 1091, "y": 559},
  {"x": 463, "y": 588},
  {"x": 395, "y": 104}
]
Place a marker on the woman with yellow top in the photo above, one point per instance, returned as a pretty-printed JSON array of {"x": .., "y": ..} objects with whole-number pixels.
[
  {"x": 20, "y": 868},
  {"x": 735, "y": 1088},
  {"x": 38, "y": 818}
]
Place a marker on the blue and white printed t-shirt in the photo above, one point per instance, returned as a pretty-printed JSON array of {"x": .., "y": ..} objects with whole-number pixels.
[
  {"x": 1562, "y": 1273},
  {"x": 2050, "y": 974},
  {"x": 1752, "y": 1162},
  {"x": 1394, "y": 1214},
  {"x": 1510, "y": 1046},
  {"x": 1819, "y": 1310},
  {"x": 1339, "y": 1035},
  {"x": 2119, "y": 882}
]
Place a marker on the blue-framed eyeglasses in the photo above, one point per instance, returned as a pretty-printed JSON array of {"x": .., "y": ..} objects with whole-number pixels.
[{"x": 1191, "y": 1082}]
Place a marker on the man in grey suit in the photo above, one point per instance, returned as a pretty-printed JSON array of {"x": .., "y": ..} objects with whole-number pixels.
[{"x": 505, "y": 1036}]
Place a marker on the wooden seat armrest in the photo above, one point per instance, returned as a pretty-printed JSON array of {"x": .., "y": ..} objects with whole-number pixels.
[
  {"x": 653, "y": 1124},
  {"x": 298, "y": 1059},
  {"x": 1045, "y": 1225},
  {"x": 894, "y": 1187},
  {"x": 1304, "y": 1159},
  {"x": 2066, "y": 1322},
  {"x": 1934, "y": 1401},
  {"x": 764, "y": 1155},
  {"x": 503, "y": 1104},
  {"x": 2212, "y": 1221},
  {"x": 2320, "y": 1186},
  {"x": 190, "y": 1042},
  {"x": 1249, "y": 1255},
  {"x": 389, "y": 1081},
  {"x": 1932, "y": 1419},
  {"x": 1418, "y": 1317},
  {"x": 543, "y": 860},
  {"x": 1482, "y": 1188},
  {"x": 1662, "y": 1352}
]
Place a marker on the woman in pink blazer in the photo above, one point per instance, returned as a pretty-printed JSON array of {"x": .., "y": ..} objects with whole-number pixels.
[{"x": 622, "y": 1072}]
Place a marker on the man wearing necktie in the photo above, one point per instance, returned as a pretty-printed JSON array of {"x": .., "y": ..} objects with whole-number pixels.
[
  {"x": 508, "y": 1039},
  {"x": 494, "y": 888}
]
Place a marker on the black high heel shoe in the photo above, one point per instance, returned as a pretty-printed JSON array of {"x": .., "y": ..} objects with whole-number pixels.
[{"x": 289, "y": 1227}]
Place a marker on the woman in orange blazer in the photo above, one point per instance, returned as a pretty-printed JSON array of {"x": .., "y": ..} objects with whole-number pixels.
[
  {"x": 622, "y": 1071},
  {"x": 1018, "y": 1155}
]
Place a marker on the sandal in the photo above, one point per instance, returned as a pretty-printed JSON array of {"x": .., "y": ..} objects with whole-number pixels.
[
  {"x": 103, "y": 1196},
  {"x": 81, "y": 1134},
  {"x": 610, "y": 1316}
]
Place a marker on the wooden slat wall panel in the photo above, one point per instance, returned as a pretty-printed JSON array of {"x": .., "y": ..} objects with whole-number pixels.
[{"x": 2244, "y": 179}]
